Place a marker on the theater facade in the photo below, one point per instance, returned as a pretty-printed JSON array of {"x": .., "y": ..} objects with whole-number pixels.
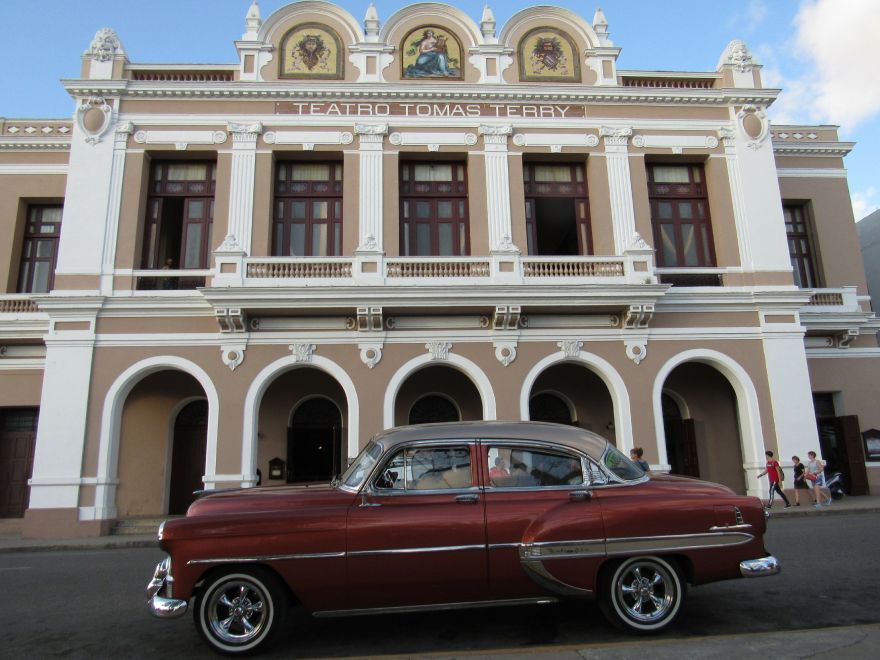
[{"x": 219, "y": 275}]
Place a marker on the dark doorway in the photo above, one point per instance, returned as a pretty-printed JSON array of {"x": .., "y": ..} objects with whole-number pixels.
[
  {"x": 556, "y": 228},
  {"x": 547, "y": 407},
  {"x": 188, "y": 455},
  {"x": 681, "y": 440},
  {"x": 433, "y": 408},
  {"x": 841, "y": 445},
  {"x": 314, "y": 442},
  {"x": 18, "y": 437}
]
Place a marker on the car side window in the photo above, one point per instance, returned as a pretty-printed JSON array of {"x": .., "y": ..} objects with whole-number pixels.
[
  {"x": 426, "y": 468},
  {"x": 515, "y": 467}
]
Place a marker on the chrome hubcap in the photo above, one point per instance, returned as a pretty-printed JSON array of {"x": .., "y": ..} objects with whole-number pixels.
[
  {"x": 646, "y": 592},
  {"x": 236, "y": 612}
]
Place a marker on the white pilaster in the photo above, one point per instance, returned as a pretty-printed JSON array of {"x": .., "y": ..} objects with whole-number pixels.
[
  {"x": 791, "y": 398},
  {"x": 623, "y": 216},
  {"x": 64, "y": 405},
  {"x": 372, "y": 138},
  {"x": 498, "y": 187},
  {"x": 111, "y": 221},
  {"x": 87, "y": 198},
  {"x": 754, "y": 187},
  {"x": 241, "y": 190}
]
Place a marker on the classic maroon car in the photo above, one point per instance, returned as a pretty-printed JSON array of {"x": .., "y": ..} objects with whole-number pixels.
[{"x": 471, "y": 514}]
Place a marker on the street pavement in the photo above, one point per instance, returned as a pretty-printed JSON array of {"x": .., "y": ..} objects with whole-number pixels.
[{"x": 842, "y": 641}]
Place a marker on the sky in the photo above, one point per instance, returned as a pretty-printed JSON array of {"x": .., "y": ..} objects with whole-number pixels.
[{"x": 823, "y": 54}]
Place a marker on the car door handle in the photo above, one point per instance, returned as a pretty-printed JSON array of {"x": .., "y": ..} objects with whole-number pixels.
[
  {"x": 580, "y": 495},
  {"x": 469, "y": 498}
]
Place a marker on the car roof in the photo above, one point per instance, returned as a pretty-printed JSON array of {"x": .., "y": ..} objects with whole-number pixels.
[{"x": 559, "y": 434}]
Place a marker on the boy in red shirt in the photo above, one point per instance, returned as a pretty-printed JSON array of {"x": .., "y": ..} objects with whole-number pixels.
[{"x": 773, "y": 470}]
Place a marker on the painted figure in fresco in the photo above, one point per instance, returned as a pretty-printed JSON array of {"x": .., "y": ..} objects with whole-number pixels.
[
  {"x": 312, "y": 51},
  {"x": 548, "y": 54},
  {"x": 433, "y": 57}
]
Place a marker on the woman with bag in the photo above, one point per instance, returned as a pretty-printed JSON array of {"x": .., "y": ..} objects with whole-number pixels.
[
  {"x": 815, "y": 475},
  {"x": 774, "y": 473}
]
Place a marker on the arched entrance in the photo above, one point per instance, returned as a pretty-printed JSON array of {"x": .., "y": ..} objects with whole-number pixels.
[
  {"x": 570, "y": 393},
  {"x": 302, "y": 422},
  {"x": 189, "y": 444},
  {"x": 437, "y": 393},
  {"x": 701, "y": 424},
  {"x": 314, "y": 441}
]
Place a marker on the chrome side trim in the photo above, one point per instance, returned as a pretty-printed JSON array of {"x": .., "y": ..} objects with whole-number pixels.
[
  {"x": 413, "y": 551},
  {"x": 538, "y": 572},
  {"x": 760, "y": 567},
  {"x": 728, "y": 528},
  {"x": 562, "y": 550},
  {"x": 502, "y": 546},
  {"x": 677, "y": 542},
  {"x": 240, "y": 560},
  {"x": 437, "y": 607}
]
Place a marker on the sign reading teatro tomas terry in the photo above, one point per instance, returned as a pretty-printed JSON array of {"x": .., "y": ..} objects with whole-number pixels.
[{"x": 451, "y": 110}]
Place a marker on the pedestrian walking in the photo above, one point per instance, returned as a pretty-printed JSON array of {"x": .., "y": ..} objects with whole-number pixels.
[
  {"x": 800, "y": 480},
  {"x": 774, "y": 473},
  {"x": 815, "y": 474}
]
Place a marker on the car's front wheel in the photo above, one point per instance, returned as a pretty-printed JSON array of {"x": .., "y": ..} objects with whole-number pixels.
[
  {"x": 239, "y": 611},
  {"x": 642, "y": 594}
]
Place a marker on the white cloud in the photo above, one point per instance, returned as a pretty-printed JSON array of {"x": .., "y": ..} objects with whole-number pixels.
[
  {"x": 865, "y": 202},
  {"x": 839, "y": 38},
  {"x": 756, "y": 12}
]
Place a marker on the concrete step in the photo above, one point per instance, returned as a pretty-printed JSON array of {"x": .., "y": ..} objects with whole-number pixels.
[{"x": 136, "y": 526}]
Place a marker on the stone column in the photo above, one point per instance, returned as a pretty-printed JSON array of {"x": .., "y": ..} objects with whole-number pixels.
[
  {"x": 241, "y": 185},
  {"x": 372, "y": 138},
  {"x": 623, "y": 217},
  {"x": 498, "y": 188}
]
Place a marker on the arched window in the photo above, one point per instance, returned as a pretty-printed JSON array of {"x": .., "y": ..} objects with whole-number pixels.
[
  {"x": 547, "y": 407},
  {"x": 433, "y": 408}
]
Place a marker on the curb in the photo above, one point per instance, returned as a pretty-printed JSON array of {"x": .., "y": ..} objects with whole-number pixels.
[{"x": 104, "y": 543}]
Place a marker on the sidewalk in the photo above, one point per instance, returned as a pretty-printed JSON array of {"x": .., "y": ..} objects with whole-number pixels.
[{"x": 14, "y": 542}]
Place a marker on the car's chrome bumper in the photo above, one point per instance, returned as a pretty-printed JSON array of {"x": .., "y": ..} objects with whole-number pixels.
[
  {"x": 164, "y": 608},
  {"x": 760, "y": 567}
]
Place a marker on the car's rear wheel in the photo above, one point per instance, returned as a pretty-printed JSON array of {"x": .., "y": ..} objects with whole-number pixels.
[
  {"x": 642, "y": 594},
  {"x": 240, "y": 610}
]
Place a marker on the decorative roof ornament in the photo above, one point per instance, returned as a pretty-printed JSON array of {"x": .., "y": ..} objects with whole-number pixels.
[
  {"x": 737, "y": 54},
  {"x": 105, "y": 45},
  {"x": 252, "y": 22},
  {"x": 600, "y": 25},
  {"x": 487, "y": 23},
  {"x": 371, "y": 23}
]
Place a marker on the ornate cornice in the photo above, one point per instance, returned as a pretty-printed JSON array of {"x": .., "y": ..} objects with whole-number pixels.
[
  {"x": 452, "y": 92},
  {"x": 838, "y": 149}
]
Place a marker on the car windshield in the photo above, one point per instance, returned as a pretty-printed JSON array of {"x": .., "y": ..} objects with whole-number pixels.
[
  {"x": 620, "y": 465},
  {"x": 356, "y": 473}
]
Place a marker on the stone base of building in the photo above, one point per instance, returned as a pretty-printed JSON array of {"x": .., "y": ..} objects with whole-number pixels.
[{"x": 61, "y": 523}]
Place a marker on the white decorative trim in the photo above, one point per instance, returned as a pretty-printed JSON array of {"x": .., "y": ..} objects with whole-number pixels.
[
  {"x": 433, "y": 141},
  {"x": 308, "y": 139},
  {"x": 30, "y": 170},
  {"x": 232, "y": 355},
  {"x": 104, "y": 45},
  {"x": 302, "y": 352},
  {"x": 505, "y": 351},
  {"x": 810, "y": 172},
  {"x": 636, "y": 349},
  {"x": 737, "y": 54},
  {"x": 92, "y": 103},
  {"x": 371, "y": 353},
  {"x": 556, "y": 141},
  {"x": 675, "y": 141},
  {"x": 570, "y": 347},
  {"x": 439, "y": 350},
  {"x": 746, "y": 111},
  {"x": 615, "y": 136},
  {"x": 180, "y": 139}
]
